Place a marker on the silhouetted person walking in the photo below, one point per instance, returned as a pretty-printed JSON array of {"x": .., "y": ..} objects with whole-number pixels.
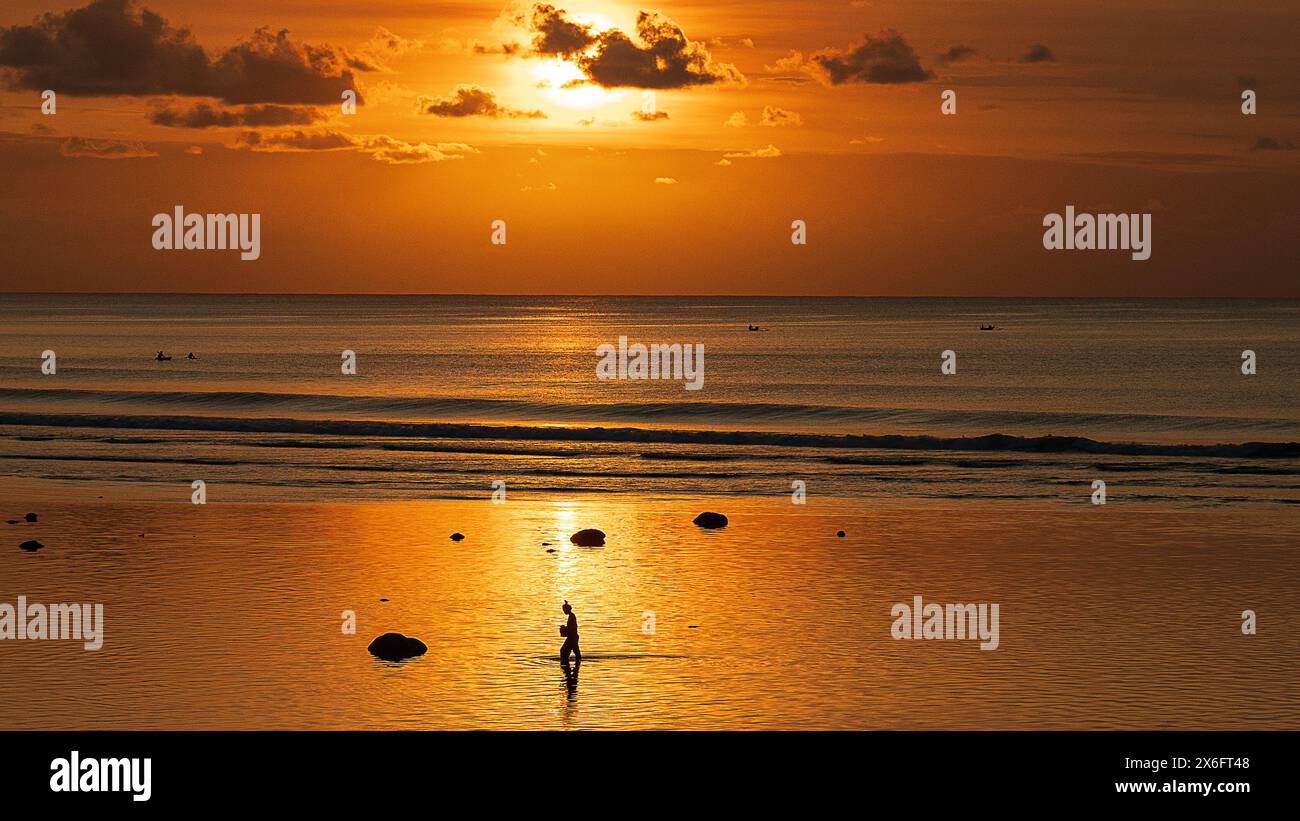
[{"x": 570, "y": 633}]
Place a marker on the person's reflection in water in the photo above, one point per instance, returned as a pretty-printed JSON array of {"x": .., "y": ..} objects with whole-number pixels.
[
  {"x": 571, "y": 680},
  {"x": 569, "y": 709}
]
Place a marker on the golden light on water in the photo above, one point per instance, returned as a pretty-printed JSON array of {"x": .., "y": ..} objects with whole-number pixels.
[{"x": 564, "y": 523}]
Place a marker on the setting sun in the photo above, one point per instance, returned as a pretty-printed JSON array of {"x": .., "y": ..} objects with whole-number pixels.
[{"x": 564, "y": 83}]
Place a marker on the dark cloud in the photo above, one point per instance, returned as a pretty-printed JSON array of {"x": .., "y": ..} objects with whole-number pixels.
[
  {"x": 557, "y": 35},
  {"x": 204, "y": 115},
  {"x": 104, "y": 149},
  {"x": 1038, "y": 53},
  {"x": 114, "y": 47},
  {"x": 881, "y": 58},
  {"x": 508, "y": 49},
  {"x": 326, "y": 140},
  {"x": 789, "y": 79},
  {"x": 956, "y": 54},
  {"x": 107, "y": 47},
  {"x": 1273, "y": 144},
  {"x": 472, "y": 101},
  {"x": 663, "y": 59},
  {"x": 273, "y": 68},
  {"x": 379, "y": 147}
]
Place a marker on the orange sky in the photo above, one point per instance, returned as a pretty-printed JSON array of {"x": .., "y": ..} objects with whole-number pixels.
[{"x": 665, "y": 157}]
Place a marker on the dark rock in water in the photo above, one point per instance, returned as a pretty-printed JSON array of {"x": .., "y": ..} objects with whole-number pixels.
[
  {"x": 383, "y": 599},
  {"x": 13, "y": 521},
  {"x": 546, "y": 544},
  {"x": 395, "y": 647},
  {"x": 590, "y": 537},
  {"x": 840, "y": 533},
  {"x": 710, "y": 520},
  {"x": 31, "y": 545},
  {"x": 456, "y": 537},
  {"x": 551, "y": 550},
  {"x": 31, "y": 517}
]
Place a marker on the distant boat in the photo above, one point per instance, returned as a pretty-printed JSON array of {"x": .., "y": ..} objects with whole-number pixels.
[
  {"x": 987, "y": 328},
  {"x": 756, "y": 328},
  {"x": 161, "y": 358}
]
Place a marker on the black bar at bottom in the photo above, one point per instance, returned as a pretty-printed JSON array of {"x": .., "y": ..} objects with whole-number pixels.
[{"x": 640, "y": 770}]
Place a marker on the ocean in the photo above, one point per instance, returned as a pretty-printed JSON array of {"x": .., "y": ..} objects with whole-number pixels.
[
  {"x": 856, "y": 477},
  {"x": 454, "y": 393}
]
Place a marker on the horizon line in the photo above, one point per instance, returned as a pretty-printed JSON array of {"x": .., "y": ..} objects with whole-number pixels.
[{"x": 641, "y": 295}]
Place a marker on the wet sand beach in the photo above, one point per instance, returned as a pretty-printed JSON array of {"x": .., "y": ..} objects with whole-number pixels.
[{"x": 229, "y": 615}]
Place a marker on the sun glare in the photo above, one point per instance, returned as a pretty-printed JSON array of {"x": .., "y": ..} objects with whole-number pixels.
[{"x": 564, "y": 83}]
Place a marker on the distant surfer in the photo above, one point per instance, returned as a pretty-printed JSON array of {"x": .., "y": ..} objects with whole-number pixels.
[
  {"x": 161, "y": 358},
  {"x": 191, "y": 355},
  {"x": 570, "y": 633}
]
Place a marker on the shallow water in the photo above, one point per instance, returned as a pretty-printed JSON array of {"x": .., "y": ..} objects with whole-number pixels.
[
  {"x": 229, "y": 615},
  {"x": 328, "y": 493}
]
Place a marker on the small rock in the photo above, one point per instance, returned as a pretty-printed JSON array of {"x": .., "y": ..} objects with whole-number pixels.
[
  {"x": 31, "y": 546},
  {"x": 551, "y": 550},
  {"x": 456, "y": 537},
  {"x": 710, "y": 520},
  {"x": 13, "y": 521},
  {"x": 840, "y": 533},
  {"x": 588, "y": 538},
  {"x": 396, "y": 647},
  {"x": 383, "y": 599},
  {"x": 31, "y": 517}
]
